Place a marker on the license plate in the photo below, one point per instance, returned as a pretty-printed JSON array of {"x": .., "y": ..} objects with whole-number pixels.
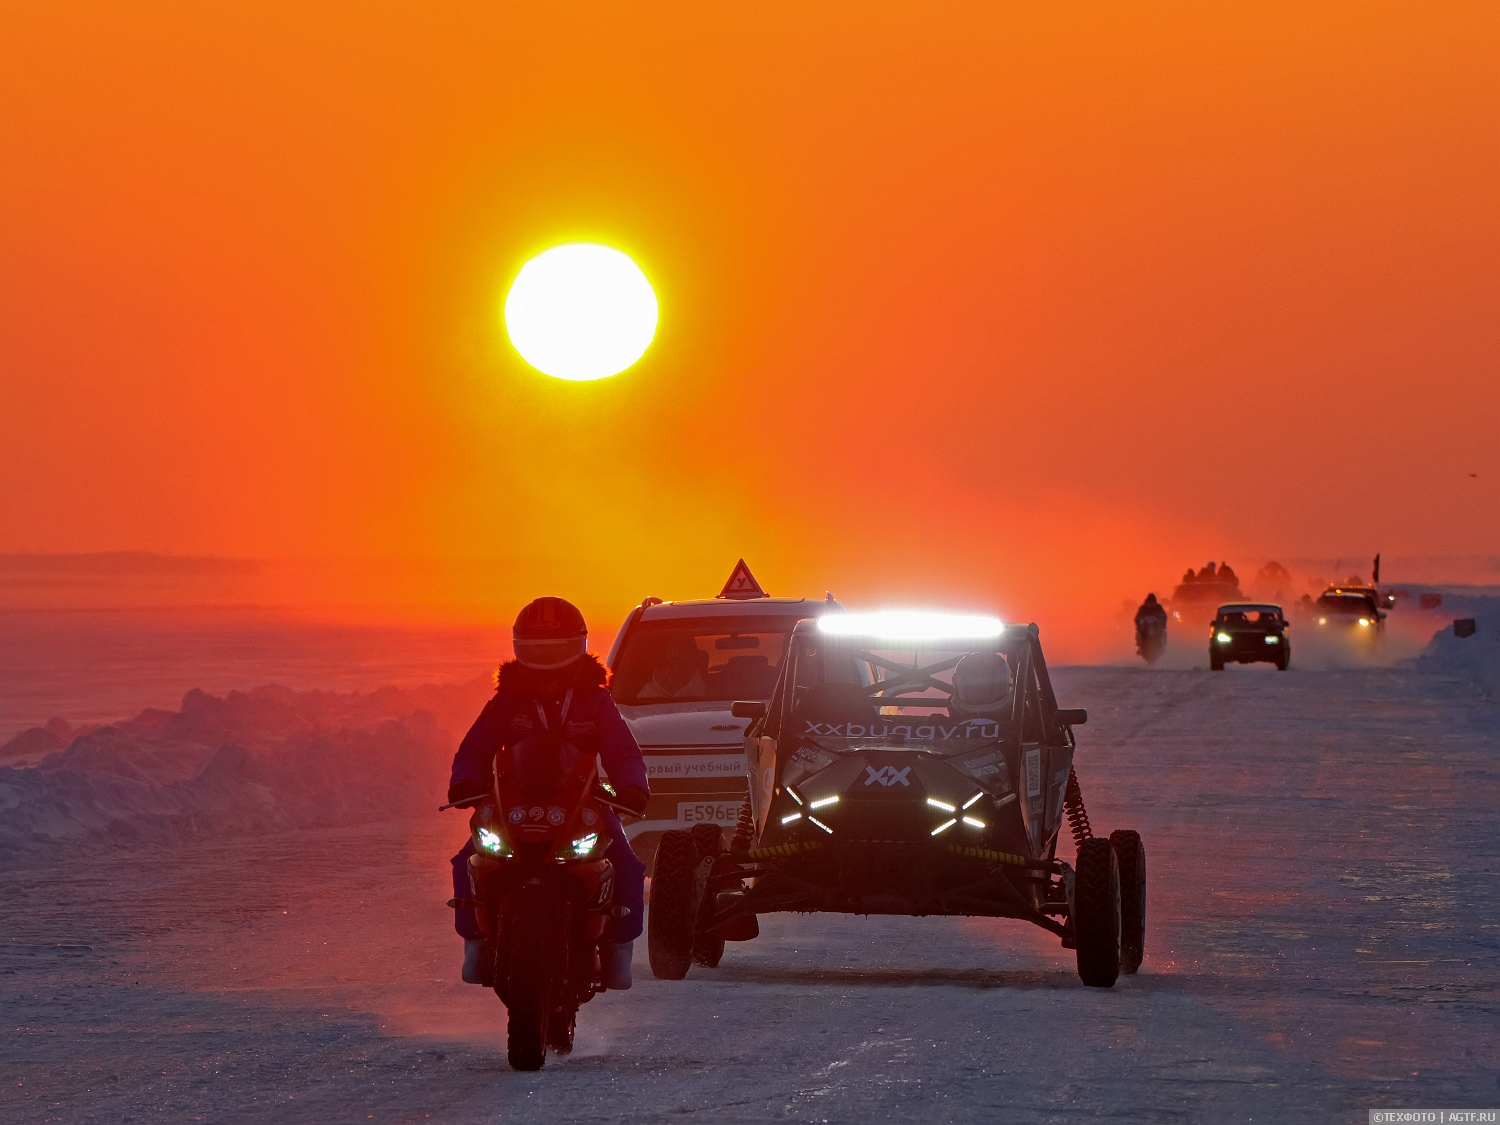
[{"x": 726, "y": 814}]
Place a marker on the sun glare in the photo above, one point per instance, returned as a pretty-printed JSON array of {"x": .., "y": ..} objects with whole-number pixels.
[{"x": 581, "y": 312}]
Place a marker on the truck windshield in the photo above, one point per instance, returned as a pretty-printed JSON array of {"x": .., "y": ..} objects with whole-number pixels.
[
  {"x": 703, "y": 660},
  {"x": 1350, "y": 605}
]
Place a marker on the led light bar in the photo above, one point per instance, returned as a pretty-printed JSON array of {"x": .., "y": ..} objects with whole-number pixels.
[
  {"x": 974, "y": 798},
  {"x": 944, "y": 805},
  {"x": 821, "y": 801},
  {"x": 911, "y": 625},
  {"x": 820, "y": 824},
  {"x": 947, "y": 824},
  {"x": 789, "y": 819},
  {"x": 972, "y": 823}
]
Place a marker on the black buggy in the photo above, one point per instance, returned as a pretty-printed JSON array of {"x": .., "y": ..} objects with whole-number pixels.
[{"x": 914, "y": 765}]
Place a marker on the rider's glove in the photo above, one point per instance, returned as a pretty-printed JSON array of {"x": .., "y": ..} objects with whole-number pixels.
[
  {"x": 634, "y": 798},
  {"x": 468, "y": 790}
]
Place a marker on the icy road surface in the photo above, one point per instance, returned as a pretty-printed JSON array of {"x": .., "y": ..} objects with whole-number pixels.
[{"x": 1324, "y": 937}]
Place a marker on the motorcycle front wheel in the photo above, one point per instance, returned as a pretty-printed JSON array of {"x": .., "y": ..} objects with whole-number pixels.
[{"x": 528, "y": 999}]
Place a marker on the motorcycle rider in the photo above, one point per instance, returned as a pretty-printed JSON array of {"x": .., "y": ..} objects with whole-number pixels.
[
  {"x": 555, "y": 683},
  {"x": 1151, "y": 610}
]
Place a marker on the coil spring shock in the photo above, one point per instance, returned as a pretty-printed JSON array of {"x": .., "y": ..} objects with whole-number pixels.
[
  {"x": 1078, "y": 817},
  {"x": 744, "y": 831}
]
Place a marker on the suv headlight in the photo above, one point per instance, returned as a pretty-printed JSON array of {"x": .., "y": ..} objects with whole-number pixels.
[{"x": 1223, "y": 638}]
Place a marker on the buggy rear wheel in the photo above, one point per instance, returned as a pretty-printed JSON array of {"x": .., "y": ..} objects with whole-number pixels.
[
  {"x": 1096, "y": 913},
  {"x": 708, "y": 844},
  {"x": 1130, "y": 856},
  {"x": 669, "y": 921}
]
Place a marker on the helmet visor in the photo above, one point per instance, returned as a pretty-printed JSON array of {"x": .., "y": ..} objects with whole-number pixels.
[{"x": 549, "y": 652}]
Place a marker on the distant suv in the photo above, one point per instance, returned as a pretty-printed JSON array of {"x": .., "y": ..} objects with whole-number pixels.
[
  {"x": 676, "y": 669},
  {"x": 1248, "y": 633}
]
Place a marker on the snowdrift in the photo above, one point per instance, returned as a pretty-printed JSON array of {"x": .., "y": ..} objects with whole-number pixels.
[
  {"x": 255, "y": 761},
  {"x": 1475, "y": 658}
]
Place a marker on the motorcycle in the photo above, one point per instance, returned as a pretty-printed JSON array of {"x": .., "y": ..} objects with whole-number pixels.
[
  {"x": 543, "y": 892},
  {"x": 1151, "y": 638}
]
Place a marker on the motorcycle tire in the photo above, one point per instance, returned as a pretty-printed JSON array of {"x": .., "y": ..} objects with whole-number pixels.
[
  {"x": 528, "y": 993},
  {"x": 669, "y": 918},
  {"x": 1130, "y": 856},
  {"x": 1096, "y": 913},
  {"x": 708, "y": 845}
]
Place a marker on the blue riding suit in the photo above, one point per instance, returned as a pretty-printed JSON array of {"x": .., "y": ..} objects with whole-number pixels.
[{"x": 593, "y": 723}]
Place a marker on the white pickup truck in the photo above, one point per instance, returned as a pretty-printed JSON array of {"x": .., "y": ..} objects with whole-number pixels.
[{"x": 676, "y": 669}]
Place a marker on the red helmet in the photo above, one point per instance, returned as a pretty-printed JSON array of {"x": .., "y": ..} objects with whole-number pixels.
[{"x": 549, "y": 633}]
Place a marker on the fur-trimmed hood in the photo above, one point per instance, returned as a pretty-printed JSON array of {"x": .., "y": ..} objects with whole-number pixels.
[{"x": 515, "y": 678}]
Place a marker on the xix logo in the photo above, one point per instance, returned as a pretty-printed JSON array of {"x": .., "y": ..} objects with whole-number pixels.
[{"x": 887, "y": 776}]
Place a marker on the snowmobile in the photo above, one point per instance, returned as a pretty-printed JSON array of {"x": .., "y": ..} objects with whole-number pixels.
[
  {"x": 878, "y": 785},
  {"x": 543, "y": 891}
]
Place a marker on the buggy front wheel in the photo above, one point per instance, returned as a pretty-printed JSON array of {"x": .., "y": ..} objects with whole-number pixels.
[
  {"x": 1096, "y": 913},
  {"x": 708, "y": 845},
  {"x": 1130, "y": 856},
  {"x": 669, "y": 920}
]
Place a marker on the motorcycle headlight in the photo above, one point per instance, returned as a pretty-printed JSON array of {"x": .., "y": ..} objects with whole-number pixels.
[
  {"x": 489, "y": 842},
  {"x": 585, "y": 847}
]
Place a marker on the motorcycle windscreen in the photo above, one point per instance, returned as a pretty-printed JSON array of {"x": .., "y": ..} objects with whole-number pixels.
[{"x": 542, "y": 765}]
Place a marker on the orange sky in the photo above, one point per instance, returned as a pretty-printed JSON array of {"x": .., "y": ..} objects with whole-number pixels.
[{"x": 960, "y": 302}]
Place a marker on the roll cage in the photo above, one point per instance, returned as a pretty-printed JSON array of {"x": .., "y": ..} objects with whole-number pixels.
[{"x": 1033, "y": 714}]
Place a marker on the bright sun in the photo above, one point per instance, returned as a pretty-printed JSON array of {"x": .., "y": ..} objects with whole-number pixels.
[{"x": 580, "y": 312}]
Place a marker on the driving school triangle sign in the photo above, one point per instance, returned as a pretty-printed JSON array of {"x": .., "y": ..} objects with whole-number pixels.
[{"x": 742, "y": 584}]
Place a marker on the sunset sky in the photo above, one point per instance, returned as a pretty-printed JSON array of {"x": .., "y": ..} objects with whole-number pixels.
[{"x": 963, "y": 303}]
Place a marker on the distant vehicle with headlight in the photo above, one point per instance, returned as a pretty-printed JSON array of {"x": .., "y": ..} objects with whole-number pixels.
[
  {"x": 676, "y": 669},
  {"x": 1249, "y": 633},
  {"x": 908, "y": 764},
  {"x": 1352, "y": 612}
]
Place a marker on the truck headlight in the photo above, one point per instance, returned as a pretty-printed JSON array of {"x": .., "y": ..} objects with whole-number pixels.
[
  {"x": 1223, "y": 638},
  {"x": 1273, "y": 640}
]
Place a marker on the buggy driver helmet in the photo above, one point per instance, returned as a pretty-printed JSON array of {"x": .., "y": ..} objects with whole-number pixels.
[
  {"x": 549, "y": 633},
  {"x": 981, "y": 684}
]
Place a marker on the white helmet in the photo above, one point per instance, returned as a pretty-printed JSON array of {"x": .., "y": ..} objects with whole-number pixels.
[{"x": 981, "y": 684}]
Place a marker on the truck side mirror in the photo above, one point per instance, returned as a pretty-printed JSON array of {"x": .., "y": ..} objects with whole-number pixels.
[{"x": 748, "y": 709}]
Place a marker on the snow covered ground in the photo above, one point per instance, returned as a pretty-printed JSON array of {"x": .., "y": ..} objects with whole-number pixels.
[{"x": 1324, "y": 937}]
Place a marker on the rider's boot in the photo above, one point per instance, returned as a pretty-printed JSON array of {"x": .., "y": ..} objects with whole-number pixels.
[
  {"x": 614, "y": 961},
  {"x": 473, "y": 957}
]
